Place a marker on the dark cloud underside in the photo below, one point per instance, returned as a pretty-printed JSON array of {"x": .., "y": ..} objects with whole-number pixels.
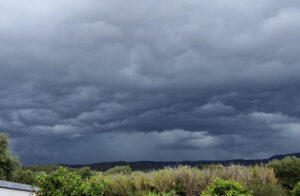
[{"x": 95, "y": 80}]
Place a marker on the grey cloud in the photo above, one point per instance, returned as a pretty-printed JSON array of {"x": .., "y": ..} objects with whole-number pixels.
[{"x": 80, "y": 78}]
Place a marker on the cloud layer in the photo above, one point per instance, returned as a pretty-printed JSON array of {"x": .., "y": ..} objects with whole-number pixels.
[{"x": 95, "y": 80}]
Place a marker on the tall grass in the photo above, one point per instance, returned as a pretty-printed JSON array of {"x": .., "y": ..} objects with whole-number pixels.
[{"x": 186, "y": 180}]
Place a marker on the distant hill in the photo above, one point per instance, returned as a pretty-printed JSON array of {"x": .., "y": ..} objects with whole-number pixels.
[
  {"x": 282, "y": 156},
  {"x": 150, "y": 165}
]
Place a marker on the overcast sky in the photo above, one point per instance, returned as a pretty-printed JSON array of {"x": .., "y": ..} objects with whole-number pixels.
[{"x": 87, "y": 81}]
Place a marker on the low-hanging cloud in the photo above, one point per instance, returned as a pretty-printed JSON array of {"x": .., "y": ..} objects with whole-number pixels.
[{"x": 95, "y": 80}]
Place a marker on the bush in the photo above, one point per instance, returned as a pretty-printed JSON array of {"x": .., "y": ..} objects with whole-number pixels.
[
  {"x": 119, "y": 184},
  {"x": 296, "y": 190},
  {"x": 85, "y": 172},
  {"x": 118, "y": 170},
  {"x": 185, "y": 180},
  {"x": 60, "y": 183},
  {"x": 287, "y": 171},
  {"x": 262, "y": 189},
  {"x": 95, "y": 186},
  {"x": 226, "y": 188},
  {"x": 24, "y": 176}
]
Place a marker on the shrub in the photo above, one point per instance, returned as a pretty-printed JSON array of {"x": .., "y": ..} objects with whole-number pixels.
[
  {"x": 140, "y": 182},
  {"x": 119, "y": 184},
  {"x": 24, "y": 176},
  {"x": 246, "y": 175},
  {"x": 118, "y": 170},
  {"x": 296, "y": 190},
  {"x": 185, "y": 180},
  {"x": 262, "y": 189},
  {"x": 163, "y": 180},
  {"x": 85, "y": 172},
  {"x": 94, "y": 186},
  {"x": 287, "y": 171},
  {"x": 60, "y": 183},
  {"x": 190, "y": 181},
  {"x": 225, "y": 188}
]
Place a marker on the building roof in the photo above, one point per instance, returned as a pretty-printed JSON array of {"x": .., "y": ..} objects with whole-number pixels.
[{"x": 17, "y": 186}]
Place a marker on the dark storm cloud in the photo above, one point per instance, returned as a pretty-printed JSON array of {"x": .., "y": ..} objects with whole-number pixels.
[{"x": 95, "y": 80}]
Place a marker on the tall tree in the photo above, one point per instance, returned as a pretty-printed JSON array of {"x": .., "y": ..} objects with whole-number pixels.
[{"x": 8, "y": 164}]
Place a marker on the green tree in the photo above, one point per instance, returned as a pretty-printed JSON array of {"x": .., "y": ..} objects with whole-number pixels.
[
  {"x": 8, "y": 164},
  {"x": 287, "y": 171}
]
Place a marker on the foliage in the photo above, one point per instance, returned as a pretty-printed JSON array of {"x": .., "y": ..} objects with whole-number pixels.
[
  {"x": 8, "y": 164},
  {"x": 185, "y": 180},
  {"x": 296, "y": 190},
  {"x": 119, "y": 170},
  {"x": 84, "y": 172},
  {"x": 95, "y": 186},
  {"x": 62, "y": 182},
  {"x": 287, "y": 171},
  {"x": 24, "y": 176},
  {"x": 225, "y": 188},
  {"x": 262, "y": 189}
]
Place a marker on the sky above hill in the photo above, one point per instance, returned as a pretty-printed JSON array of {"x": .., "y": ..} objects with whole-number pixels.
[{"x": 86, "y": 81}]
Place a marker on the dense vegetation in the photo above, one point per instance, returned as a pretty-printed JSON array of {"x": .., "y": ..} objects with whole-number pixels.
[
  {"x": 184, "y": 180},
  {"x": 287, "y": 171},
  {"x": 62, "y": 182},
  {"x": 277, "y": 178}
]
